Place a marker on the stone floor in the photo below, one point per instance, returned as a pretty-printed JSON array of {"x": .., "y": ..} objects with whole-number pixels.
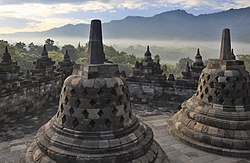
[{"x": 16, "y": 135}]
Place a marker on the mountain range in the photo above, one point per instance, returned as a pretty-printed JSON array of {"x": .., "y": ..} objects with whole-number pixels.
[{"x": 171, "y": 25}]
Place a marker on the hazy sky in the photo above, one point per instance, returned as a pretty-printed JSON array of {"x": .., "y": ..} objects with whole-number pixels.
[{"x": 34, "y": 15}]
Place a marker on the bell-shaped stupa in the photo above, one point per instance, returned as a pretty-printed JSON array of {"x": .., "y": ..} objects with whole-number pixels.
[
  {"x": 94, "y": 122},
  {"x": 217, "y": 118}
]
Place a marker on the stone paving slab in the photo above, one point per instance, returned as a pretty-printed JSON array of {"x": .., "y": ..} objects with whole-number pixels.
[
  {"x": 13, "y": 145},
  {"x": 178, "y": 152}
]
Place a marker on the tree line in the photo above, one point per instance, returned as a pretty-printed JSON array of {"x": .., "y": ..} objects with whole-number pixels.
[{"x": 27, "y": 54}]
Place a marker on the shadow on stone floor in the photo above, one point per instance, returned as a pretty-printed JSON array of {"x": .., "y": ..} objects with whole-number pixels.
[{"x": 26, "y": 124}]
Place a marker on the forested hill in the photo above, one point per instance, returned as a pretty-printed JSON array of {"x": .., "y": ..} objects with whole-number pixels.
[{"x": 177, "y": 24}]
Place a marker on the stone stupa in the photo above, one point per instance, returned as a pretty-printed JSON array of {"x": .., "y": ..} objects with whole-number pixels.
[
  {"x": 217, "y": 117},
  {"x": 197, "y": 66},
  {"x": 66, "y": 66},
  {"x": 148, "y": 70},
  {"x": 9, "y": 70},
  {"x": 94, "y": 122}
]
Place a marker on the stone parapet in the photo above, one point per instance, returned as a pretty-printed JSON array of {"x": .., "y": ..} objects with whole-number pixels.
[{"x": 19, "y": 97}]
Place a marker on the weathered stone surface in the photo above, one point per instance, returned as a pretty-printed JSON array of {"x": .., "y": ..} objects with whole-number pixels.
[
  {"x": 147, "y": 70},
  {"x": 193, "y": 72},
  {"x": 9, "y": 70},
  {"x": 66, "y": 66},
  {"x": 96, "y": 54},
  {"x": 44, "y": 67},
  {"x": 148, "y": 85},
  {"x": 19, "y": 94},
  {"x": 216, "y": 118},
  {"x": 94, "y": 122}
]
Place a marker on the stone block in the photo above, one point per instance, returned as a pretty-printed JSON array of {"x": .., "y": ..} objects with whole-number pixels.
[
  {"x": 229, "y": 73},
  {"x": 212, "y": 131}
]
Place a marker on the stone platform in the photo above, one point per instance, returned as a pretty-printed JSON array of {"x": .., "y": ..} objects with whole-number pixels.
[{"x": 16, "y": 136}]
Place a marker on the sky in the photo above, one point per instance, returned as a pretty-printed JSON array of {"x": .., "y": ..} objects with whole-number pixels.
[{"x": 34, "y": 15}]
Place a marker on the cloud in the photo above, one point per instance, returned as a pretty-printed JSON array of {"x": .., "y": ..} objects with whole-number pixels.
[
  {"x": 242, "y": 3},
  {"x": 14, "y": 22},
  {"x": 34, "y": 15},
  {"x": 38, "y": 1}
]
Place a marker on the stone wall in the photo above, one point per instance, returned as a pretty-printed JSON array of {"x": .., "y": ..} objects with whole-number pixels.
[
  {"x": 27, "y": 95},
  {"x": 170, "y": 94}
]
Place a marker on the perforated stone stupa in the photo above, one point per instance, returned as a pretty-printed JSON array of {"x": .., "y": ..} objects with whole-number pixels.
[
  {"x": 94, "y": 122},
  {"x": 217, "y": 117}
]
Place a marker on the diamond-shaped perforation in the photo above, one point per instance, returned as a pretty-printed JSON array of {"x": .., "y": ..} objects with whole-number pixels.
[
  {"x": 113, "y": 92},
  {"x": 57, "y": 114},
  {"x": 100, "y": 92},
  {"x": 227, "y": 93},
  {"x": 72, "y": 91},
  {"x": 210, "y": 98},
  {"x": 223, "y": 85},
  {"x": 233, "y": 101},
  {"x": 234, "y": 86},
  {"x": 197, "y": 93},
  {"x": 124, "y": 89},
  {"x": 63, "y": 119},
  {"x": 92, "y": 102},
  {"x": 116, "y": 85},
  {"x": 127, "y": 96},
  {"x": 211, "y": 84},
  {"x": 115, "y": 111},
  {"x": 221, "y": 100},
  {"x": 85, "y": 93},
  {"x": 71, "y": 110},
  {"x": 108, "y": 123},
  {"x": 62, "y": 108},
  {"x": 200, "y": 87},
  {"x": 122, "y": 119},
  {"x": 217, "y": 78},
  {"x": 64, "y": 89},
  {"x": 66, "y": 100},
  {"x": 130, "y": 115},
  {"x": 125, "y": 107},
  {"x": 85, "y": 113},
  {"x": 206, "y": 90},
  {"x": 92, "y": 123},
  {"x": 202, "y": 96},
  {"x": 78, "y": 102},
  {"x": 208, "y": 77},
  {"x": 120, "y": 100},
  {"x": 75, "y": 123},
  {"x": 217, "y": 92},
  {"x": 204, "y": 82},
  {"x": 100, "y": 113},
  {"x": 108, "y": 101}
]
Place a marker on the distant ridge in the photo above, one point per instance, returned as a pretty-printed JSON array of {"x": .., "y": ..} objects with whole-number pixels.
[{"x": 177, "y": 24}]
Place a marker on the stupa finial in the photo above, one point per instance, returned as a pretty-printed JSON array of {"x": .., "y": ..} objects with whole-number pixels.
[
  {"x": 225, "y": 51},
  {"x": 95, "y": 53}
]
